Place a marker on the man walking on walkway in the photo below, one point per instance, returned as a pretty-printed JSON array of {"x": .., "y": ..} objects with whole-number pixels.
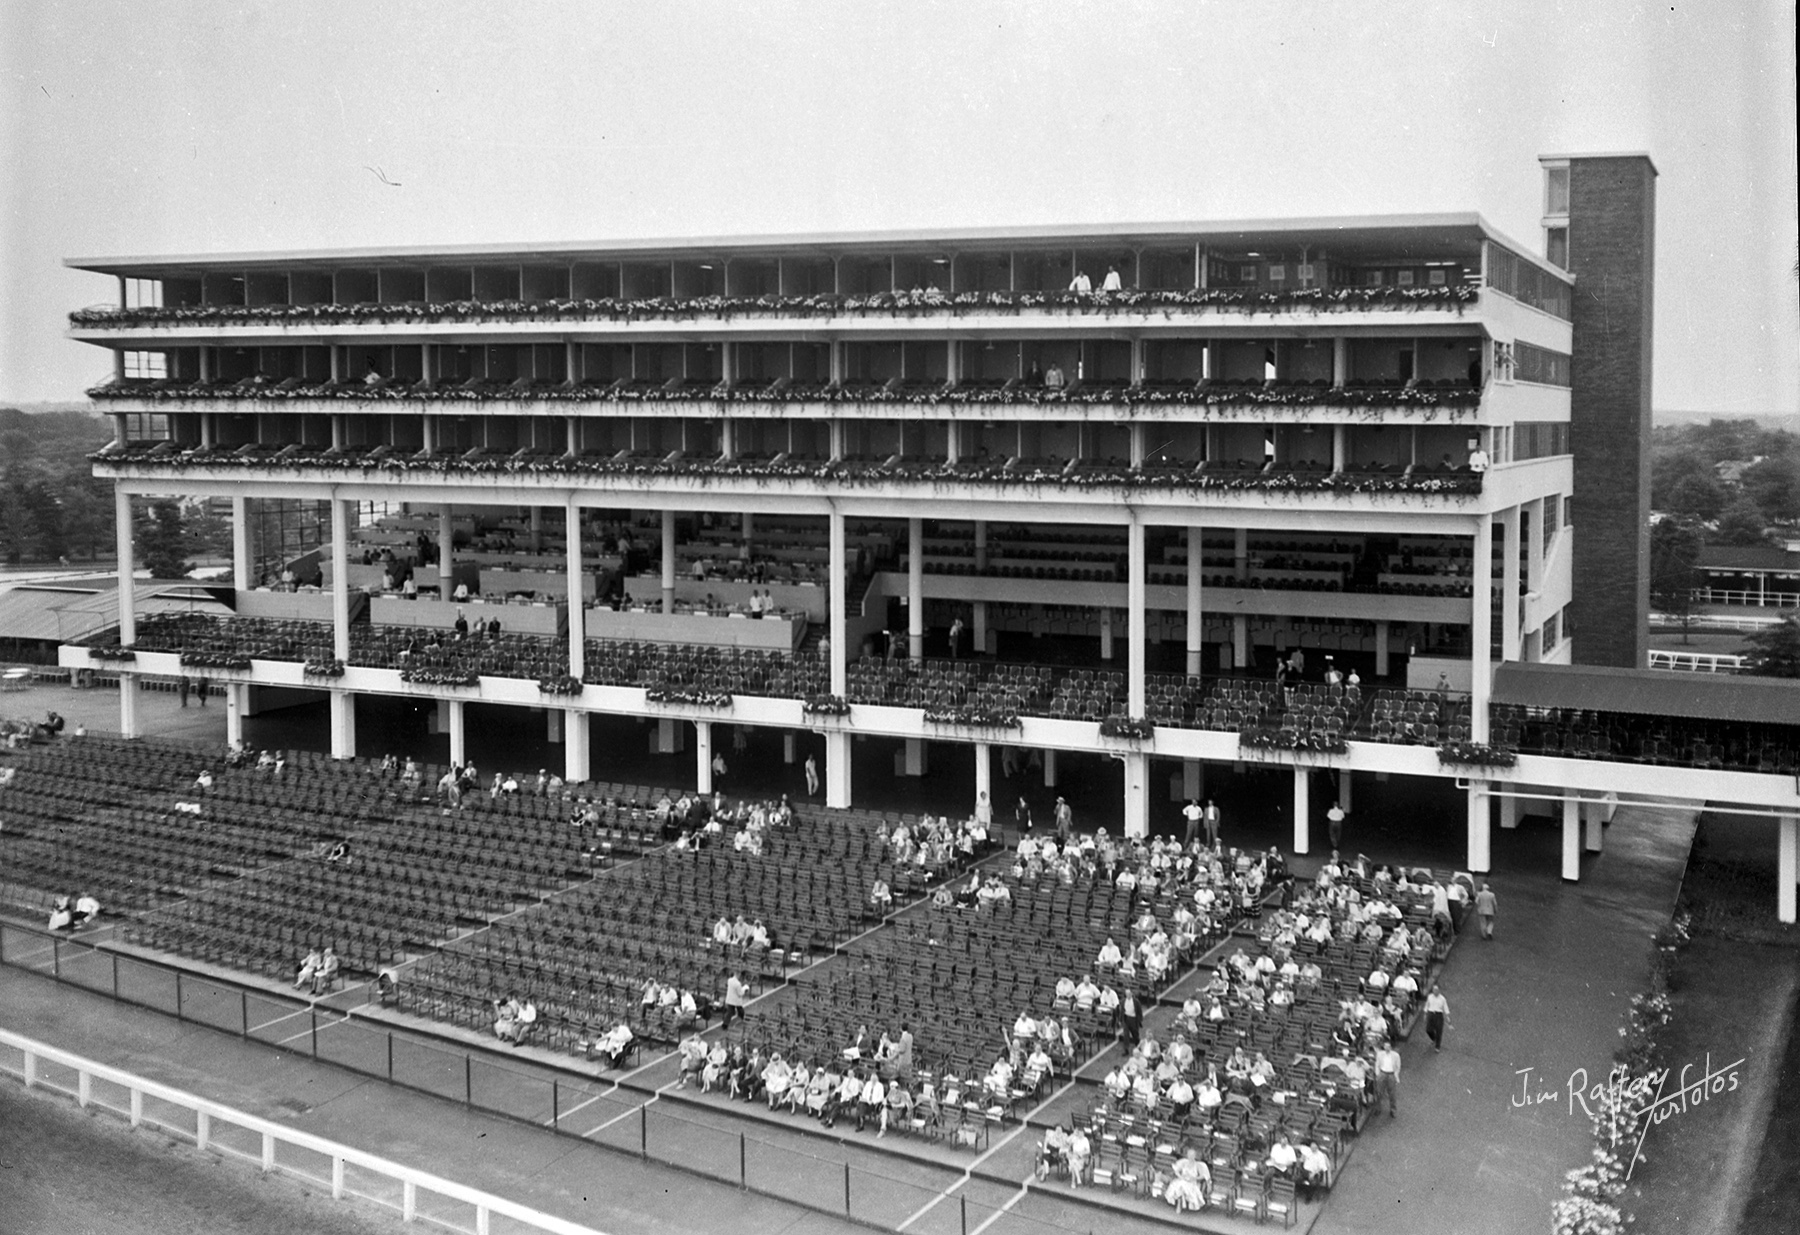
[
  {"x": 1486, "y": 905},
  {"x": 1436, "y": 1009},
  {"x": 1387, "y": 1079}
]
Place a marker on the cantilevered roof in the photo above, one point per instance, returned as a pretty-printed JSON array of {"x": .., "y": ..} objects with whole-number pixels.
[
  {"x": 1427, "y": 235},
  {"x": 1650, "y": 692},
  {"x": 62, "y": 612}
]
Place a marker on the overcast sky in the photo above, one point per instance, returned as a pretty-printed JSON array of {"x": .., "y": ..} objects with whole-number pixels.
[{"x": 138, "y": 127}]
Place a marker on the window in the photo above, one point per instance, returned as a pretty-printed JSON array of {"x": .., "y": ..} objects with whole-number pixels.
[
  {"x": 1277, "y": 274},
  {"x": 1539, "y": 439},
  {"x": 1556, "y": 192},
  {"x": 1305, "y": 272},
  {"x": 1550, "y": 631},
  {"x": 143, "y": 293},
  {"x": 1527, "y": 282},
  {"x": 1437, "y": 278},
  {"x": 146, "y": 364},
  {"x": 1552, "y": 505},
  {"x": 1539, "y": 364},
  {"x": 1374, "y": 278},
  {"x": 1403, "y": 278},
  {"x": 1556, "y": 246},
  {"x": 1246, "y": 274},
  {"x": 1569, "y": 511}
]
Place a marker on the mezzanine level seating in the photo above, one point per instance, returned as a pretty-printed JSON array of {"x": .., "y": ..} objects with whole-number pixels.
[{"x": 1670, "y": 741}]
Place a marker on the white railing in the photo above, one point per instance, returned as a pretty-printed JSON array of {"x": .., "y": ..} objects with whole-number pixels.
[
  {"x": 1714, "y": 621},
  {"x": 1697, "y": 662},
  {"x": 1735, "y": 596},
  {"x": 212, "y": 1118}
]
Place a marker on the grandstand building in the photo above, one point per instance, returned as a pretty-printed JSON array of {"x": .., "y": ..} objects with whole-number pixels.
[{"x": 1096, "y": 481}]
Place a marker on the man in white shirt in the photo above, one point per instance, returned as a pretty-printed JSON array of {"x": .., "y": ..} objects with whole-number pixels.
[
  {"x": 1112, "y": 282},
  {"x": 1081, "y": 282},
  {"x": 1387, "y": 1079}
]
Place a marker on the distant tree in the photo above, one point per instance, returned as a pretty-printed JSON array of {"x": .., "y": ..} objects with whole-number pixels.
[
  {"x": 1675, "y": 571},
  {"x": 1774, "y": 485},
  {"x": 1775, "y": 652},
  {"x": 1742, "y": 523},
  {"x": 162, "y": 541},
  {"x": 1696, "y": 496},
  {"x": 17, "y": 528}
]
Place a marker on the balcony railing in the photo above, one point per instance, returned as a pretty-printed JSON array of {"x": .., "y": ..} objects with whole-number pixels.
[
  {"x": 1250, "y": 396},
  {"x": 1007, "y": 473},
  {"x": 874, "y": 305}
]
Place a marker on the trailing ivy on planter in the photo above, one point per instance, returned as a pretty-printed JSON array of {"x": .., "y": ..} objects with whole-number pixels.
[
  {"x": 440, "y": 677},
  {"x": 112, "y": 654},
  {"x": 1477, "y": 754},
  {"x": 974, "y": 718},
  {"x": 825, "y": 705},
  {"x": 688, "y": 695},
  {"x": 1127, "y": 728},
  {"x": 563, "y": 685},
  {"x": 323, "y": 669}
]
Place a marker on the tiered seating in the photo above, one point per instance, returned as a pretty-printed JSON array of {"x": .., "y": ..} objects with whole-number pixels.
[
  {"x": 1172, "y": 700},
  {"x": 1678, "y": 741},
  {"x": 261, "y": 638},
  {"x": 426, "y": 648},
  {"x": 1088, "y": 694},
  {"x": 620, "y": 662},
  {"x": 1415, "y": 716},
  {"x": 1306, "y": 714}
]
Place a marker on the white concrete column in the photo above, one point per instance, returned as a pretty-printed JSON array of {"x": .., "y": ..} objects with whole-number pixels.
[
  {"x": 1785, "y": 867},
  {"x": 837, "y": 430},
  {"x": 340, "y": 590},
  {"x": 122, "y": 532},
  {"x": 1534, "y": 546},
  {"x": 980, "y": 627},
  {"x": 343, "y": 724},
  {"x": 981, "y": 549},
  {"x": 1480, "y": 834},
  {"x": 1340, "y": 361},
  {"x": 459, "y": 746},
  {"x": 837, "y": 769},
  {"x": 577, "y": 606},
  {"x": 1137, "y": 444},
  {"x": 1571, "y": 838},
  {"x": 703, "y": 735},
  {"x": 128, "y": 705},
  {"x": 1137, "y": 794},
  {"x": 1480, "y": 628},
  {"x": 1340, "y": 448},
  {"x": 912, "y": 757},
  {"x": 1195, "y": 632},
  {"x": 337, "y": 430},
  {"x": 1509, "y": 813},
  {"x": 1193, "y": 779},
  {"x": 984, "y": 772},
  {"x": 571, "y": 440},
  {"x": 1136, "y": 635},
  {"x": 1302, "y": 810},
  {"x": 428, "y": 433},
  {"x": 1509, "y": 584},
  {"x": 1049, "y": 769},
  {"x": 915, "y": 589},
  {"x": 839, "y": 569},
  {"x": 577, "y": 749},
  {"x": 236, "y": 695},
  {"x": 535, "y": 517},
  {"x": 241, "y": 576},
  {"x": 1595, "y": 828},
  {"x": 668, "y": 561},
  {"x": 1240, "y": 641},
  {"x": 1382, "y": 635}
]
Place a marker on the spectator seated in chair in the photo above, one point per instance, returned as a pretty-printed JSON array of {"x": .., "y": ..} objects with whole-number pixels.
[
  {"x": 614, "y": 1045},
  {"x": 693, "y": 1058},
  {"x": 387, "y": 986},
  {"x": 309, "y": 968},
  {"x": 87, "y": 910},
  {"x": 62, "y": 918},
  {"x": 1052, "y": 1153},
  {"x": 326, "y": 975},
  {"x": 1191, "y": 1179}
]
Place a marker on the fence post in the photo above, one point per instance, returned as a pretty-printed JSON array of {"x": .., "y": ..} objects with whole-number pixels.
[
  {"x": 137, "y": 1107},
  {"x": 743, "y": 1163},
  {"x": 846, "y": 1189},
  {"x": 56, "y": 957},
  {"x": 390, "y": 1038},
  {"x": 337, "y": 1179},
  {"x": 115, "y": 965},
  {"x": 468, "y": 1079},
  {"x": 30, "y": 1068},
  {"x": 964, "y": 1198},
  {"x": 315, "y": 1033},
  {"x": 178, "y": 995},
  {"x": 644, "y": 1131},
  {"x": 409, "y": 1200},
  {"x": 555, "y": 1105},
  {"x": 244, "y": 1013},
  {"x": 84, "y": 1087},
  {"x": 202, "y": 1129}
]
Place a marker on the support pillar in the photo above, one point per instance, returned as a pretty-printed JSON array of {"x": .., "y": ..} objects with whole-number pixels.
[
  {"x": 1136, "y": 635},
  {"x": 980, "y": 631},
  {"x": 1480, "y": 833},
  {"x": 915, "y": 589},
  {"x": 1106, "y": 633},
  {"x": 1049, "y": 769},
  {"x": 1137, "y": 795},
  {"x": 1340, "y": 361},
  {"x": 1382, "y": 636},
  {"x": 1240, "y": 642},
  {"x": 668, "y": 561},
  {"x": 1785, "y": 868},
  {"x": 981, "y": 548},
  {"x": 703, "y": 735},
  {"x": 1596, "y": 828},
  {"x": 122, "y": 532},
  {"x": 839, "y": 568},
  {"x": 340, "y": 599},
  {"x": 128, "y": 705},
  {"x": 459, "y": 745},
  {"x": 912, "y": 758},
  {"x": 236, "y": 694},
  {"x": 446, "y": 556},
  {"x": 1510, "y": 808},
  {"x": 553, "y": 725},
  {"x": 1571, "y": 838},
  {"x": 1193, "y": 780},
  {"x": 241, "y": 577},
  {"x": 984, "y": 772},
  {"x": 577, "y": 605},
  {"x": 576, "y": 748},
  {"x": 1302, "y": 810},
  {"x": 537, "y": 527},
  {"x": 343, "y": 725},
  {"x": 1194, "y": 633},
  {"x": 1481, "y": 630},
  {"x": 1509, "y": 584},
  {"x": 837, "y": 770}
]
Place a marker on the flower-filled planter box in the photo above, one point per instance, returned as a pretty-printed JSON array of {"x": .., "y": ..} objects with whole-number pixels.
[
  {"x": 825, "y": 705},
  {"x": 1477, "y": 754},
  {"x": 562, "y": 686},
  {"x": 1127, "y": 728},
  {"x": 237, "y": 661},
  {"x": 1295, "y": 743},
  {"x": 322, "y": 669},
  {"x": 974, "y": 718},
  {"x": 113, "y": 654},
  {"x": 691, "y": 696},
  {"x": 440, "y": 677}
]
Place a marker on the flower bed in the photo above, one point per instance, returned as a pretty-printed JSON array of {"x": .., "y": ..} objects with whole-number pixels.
[
  {"x": 1477, "y": 754},
  {"x": 1304, "y": 743},
  {"x": 112, "y": 653},
  {"x": 564, "y": 685},
  {"x": 973, "y": 718},
  {"x": 215, "y": 660},
  {"x": 1127, "y": 728},
  {"x": 688, "y": 695},
  {"x": 876, "y": 304},
  {"x": 323, "y": 669},
  {"x": 825, "y": 705},
  {"x": 440, "y": 677}
]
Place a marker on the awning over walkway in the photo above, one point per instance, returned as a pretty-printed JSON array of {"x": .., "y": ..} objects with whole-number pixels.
[{"x": 1650, "y": 692}]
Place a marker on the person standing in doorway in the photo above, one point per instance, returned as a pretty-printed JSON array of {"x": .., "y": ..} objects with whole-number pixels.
[
  {"x": 1193, "y": 813},
  {"x": 956, "y": 633},
  {"x": 1436, "y": 1009},
  {"x": 812, "y": 776},
  {"x": 1487, "y": 904},
  {"x": 1065, "y": 820},
  {"x": 1334, "y": 818},
  {"x": 718, "y": 772},
  {"x": 1212, "y": 823}
]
